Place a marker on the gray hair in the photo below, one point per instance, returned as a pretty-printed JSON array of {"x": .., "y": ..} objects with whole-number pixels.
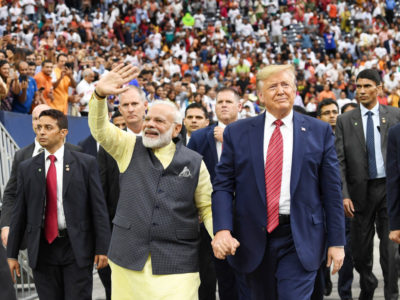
[
  {"x": 86, "y": 72},
  {"x": 142, "y": 95},
  {"x": 177, "y": 114}
]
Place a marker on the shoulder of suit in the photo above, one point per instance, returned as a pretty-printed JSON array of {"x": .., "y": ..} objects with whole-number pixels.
[
  {"x": 202, "y": 131},
  {"x": 243, "y": 123},
  {"x": 25, "y": 149},
  {"x": 73, "y": 147}
]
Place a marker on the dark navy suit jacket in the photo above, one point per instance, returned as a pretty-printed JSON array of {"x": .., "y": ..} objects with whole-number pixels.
[
  {"x": 239, "y": 197},
  {"x": 208, "y": 149},
  {"x": 393, "y": 177}
]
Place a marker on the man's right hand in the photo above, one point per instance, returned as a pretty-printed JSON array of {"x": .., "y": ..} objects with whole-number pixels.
[
  {"x": 348, "y": 207},
  {"x": 4, "y": 235},
  {"x": 14, "y": 265},
  {"x": 112, "y": 83},
  {"x": 224, "y": 244}
]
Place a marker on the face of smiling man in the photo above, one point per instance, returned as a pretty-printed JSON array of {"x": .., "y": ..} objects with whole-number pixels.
[
  {"x": 160, "y": 126},
  {"x": 277, "y": 92}
]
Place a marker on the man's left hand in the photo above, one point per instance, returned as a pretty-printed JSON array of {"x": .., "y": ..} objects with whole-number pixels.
[
  {"x": 335, "y": 254},
  {"x": 101, "y": 261}
]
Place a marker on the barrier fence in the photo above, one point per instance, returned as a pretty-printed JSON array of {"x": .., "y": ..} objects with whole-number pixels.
[{"x": 25, "y": 288}]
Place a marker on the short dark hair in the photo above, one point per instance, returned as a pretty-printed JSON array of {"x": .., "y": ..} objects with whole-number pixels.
[
  {"x": 199, "y": 106},
  {"x": 116, "y": 114},
  {"x": 370, "y": 74},
  {"x": 344, "y": 107},
  {"x": 62, "y": 120},
  {"x": 46, "y": 61},
  {"x": 31, "y": 64},
  {"x": 61, "y": 54},
  {"x": 325, "y": 102}
]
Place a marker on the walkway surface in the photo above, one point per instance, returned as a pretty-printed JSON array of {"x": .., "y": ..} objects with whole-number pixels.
[{"x": 98, "y": 290}]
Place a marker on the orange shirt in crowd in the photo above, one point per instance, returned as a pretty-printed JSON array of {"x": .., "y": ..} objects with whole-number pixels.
[
  {"x": 60, "y": 101},
  {"x": 44, "y": 81},
  {"x": 323, "y": 95}
]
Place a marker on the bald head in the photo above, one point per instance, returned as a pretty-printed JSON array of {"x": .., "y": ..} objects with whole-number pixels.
[{"x": 36, "y": 113}]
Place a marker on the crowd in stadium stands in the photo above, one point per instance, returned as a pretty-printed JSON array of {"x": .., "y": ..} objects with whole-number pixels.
[{"x": 55, "y": 52}]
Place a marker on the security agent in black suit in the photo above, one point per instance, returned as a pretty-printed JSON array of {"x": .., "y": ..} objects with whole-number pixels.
[
  {"x": 62, "y": 263},
  {"x": 11, "y": 187},
  {"x": 361, "y": 143}
]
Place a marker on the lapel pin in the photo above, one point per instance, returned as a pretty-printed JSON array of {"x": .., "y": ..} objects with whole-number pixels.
[
  {"x": 40, "y": 170},
  {"x": 383, "y": 120},
  {"x": 67, "y": 168},
  {"x": 303, "y": 129},
  {"x": 355, "y": 123}
]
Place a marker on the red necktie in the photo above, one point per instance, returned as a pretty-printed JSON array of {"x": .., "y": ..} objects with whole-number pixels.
[
  {"x": 50, "y": 220},
  {"x": 273, "y": 176}
]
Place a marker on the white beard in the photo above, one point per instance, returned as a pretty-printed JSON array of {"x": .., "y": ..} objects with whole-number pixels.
[{"x": 161, "y": 141}]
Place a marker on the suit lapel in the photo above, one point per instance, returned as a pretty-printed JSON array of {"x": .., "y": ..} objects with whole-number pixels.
[
  {"x": 383, "y": 123},
  {"x": 212, "y": 144},
  {"x": 68, "y": 170},
  {"x": 300, "y": 132},
  {"x": 257, "y": 153},
  {"x": 357, "y": 126},
  {"x": 39, "y": 169}
]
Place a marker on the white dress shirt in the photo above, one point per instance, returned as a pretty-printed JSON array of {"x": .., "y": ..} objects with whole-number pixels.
[
  {"x": 218, "y": 143},
  {"x": 380, "y": 165},
  {"x": 59, "y": 164},
  {"x": 287, "y": 135}
]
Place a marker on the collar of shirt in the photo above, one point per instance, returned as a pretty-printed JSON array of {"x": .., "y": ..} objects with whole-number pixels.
[
  {"x": 59, "y": 154},
  {"x": 287, "y": 121},
  {"x": 375, "y": 109},
  {"x": 220, "y": 124},
  {"x": 36, "y": 149},
  {"x": 137, "y": 134}
]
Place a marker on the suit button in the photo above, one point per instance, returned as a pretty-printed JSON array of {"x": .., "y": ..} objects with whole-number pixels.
[
  {"x": 154, "y": 224},
  {"x": 160, "y": 191},
  {"x": 156, "y": 207}
]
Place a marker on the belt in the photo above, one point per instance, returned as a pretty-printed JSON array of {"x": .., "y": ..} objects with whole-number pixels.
[
  {"x": 284, "y": 219},
  {"x": 62, "y": 233}
]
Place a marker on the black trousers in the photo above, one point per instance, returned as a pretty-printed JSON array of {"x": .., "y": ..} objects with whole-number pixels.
[
  {"x": 7, "y": 291},
  {"x": 57, "y": 276},
  {"x": 362, "y": 231},
  {"x": 208, "y": 278}
]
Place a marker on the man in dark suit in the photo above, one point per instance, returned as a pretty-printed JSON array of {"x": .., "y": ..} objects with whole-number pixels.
[
  {"x": 361, "y": 140},
  {"x": 195, "y": 118},
  {"x": 208, "y": 142},
  {"x": 277, "y": 201},
  {"x": 393, "y": 182},
  {"x": 11, "y": 187},
  {"x": 61, "y": 206}
]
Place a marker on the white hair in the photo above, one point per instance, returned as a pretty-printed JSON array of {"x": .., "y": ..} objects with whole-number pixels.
[{"x": 177, "y": 114}]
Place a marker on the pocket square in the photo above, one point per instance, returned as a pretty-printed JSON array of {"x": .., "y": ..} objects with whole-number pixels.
[{"x": 185, "y": 172}]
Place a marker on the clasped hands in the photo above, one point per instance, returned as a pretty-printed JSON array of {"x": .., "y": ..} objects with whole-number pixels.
[{"x": 224, "y": 244}]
